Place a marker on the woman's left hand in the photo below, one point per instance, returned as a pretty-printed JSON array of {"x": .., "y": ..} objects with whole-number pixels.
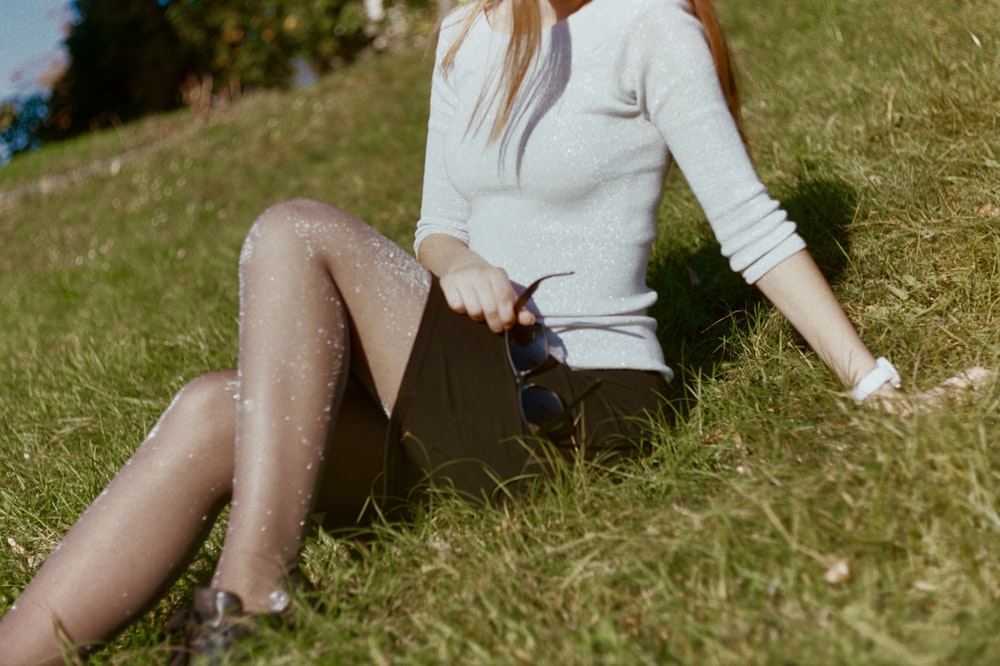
[{"x": 958, "y": 389}]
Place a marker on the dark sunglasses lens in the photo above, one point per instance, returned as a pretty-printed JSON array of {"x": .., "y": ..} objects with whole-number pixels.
[
  {"x": 539, "y": 405},
  {"x": 527, "y": 347}
]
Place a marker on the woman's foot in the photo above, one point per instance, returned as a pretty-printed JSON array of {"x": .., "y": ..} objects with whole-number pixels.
[{"x": 214, "y": 627}]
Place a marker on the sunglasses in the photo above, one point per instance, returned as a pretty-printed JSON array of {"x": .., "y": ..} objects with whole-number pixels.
[{"x": 542, "y": 410}]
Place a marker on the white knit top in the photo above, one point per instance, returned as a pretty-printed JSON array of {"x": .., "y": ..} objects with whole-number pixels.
[{"x": 576, "y": 179}]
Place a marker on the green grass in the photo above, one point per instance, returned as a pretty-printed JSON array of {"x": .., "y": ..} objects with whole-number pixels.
[{"x": 878, "y": 125}]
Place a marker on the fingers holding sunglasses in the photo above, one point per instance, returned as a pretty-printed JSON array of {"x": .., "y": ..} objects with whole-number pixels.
[
  {"x": 525, "y": 317},
  {"x": 482, "y": 292}
]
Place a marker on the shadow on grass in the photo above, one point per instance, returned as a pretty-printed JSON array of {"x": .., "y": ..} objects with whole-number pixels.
[{"x": 702, "y": 301}]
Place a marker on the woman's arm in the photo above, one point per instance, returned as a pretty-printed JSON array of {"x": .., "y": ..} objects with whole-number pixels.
[
  {"x": 801, "y": 293},
  {"x": 798, "y": 289},
  {"x": 470, "y": 284}
]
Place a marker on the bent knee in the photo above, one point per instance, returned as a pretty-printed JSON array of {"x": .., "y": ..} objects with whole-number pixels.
[
  {"x": 298, "y": 223},
  {"x": 299, "y": 208},
  {"x": 209, "y": 404},
  {"x": 197, "y": 432}
]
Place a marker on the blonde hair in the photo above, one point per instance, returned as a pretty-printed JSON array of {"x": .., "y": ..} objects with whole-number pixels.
[{"x": 526, "y": 39}]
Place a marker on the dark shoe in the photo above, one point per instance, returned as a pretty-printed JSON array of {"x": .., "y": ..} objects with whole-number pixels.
[
  {"x": 217, "y": 627},
  {"x": 214, "y": 627}
]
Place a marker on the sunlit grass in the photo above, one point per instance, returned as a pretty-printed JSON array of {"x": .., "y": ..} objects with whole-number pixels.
[{"x": 773, "y": 523}]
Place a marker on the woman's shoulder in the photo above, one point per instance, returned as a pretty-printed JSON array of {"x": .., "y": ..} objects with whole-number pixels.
[
  {"x": 454, "y": 20},
  {"x": 453, "y": 23}
]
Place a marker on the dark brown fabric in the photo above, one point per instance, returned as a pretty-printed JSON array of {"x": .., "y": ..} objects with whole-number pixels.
[{"x": 457, "y": 420}]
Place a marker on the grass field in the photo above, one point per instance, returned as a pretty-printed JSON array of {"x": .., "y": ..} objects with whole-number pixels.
[{"x": 774, "y": 523}]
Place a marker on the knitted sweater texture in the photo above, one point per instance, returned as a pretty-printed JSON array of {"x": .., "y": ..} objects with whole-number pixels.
[{"x": 619, "y": 89}]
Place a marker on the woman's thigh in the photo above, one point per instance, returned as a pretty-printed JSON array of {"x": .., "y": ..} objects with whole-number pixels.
[{"x": 382, "y": 287}]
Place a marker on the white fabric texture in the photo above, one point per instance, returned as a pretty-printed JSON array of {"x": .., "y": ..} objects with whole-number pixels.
[{"x": 619, "y": 88}]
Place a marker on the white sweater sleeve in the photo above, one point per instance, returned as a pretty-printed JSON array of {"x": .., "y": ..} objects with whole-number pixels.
[
  {"x": 675, "y": 79},
  {"x": 443, "y": 209}
]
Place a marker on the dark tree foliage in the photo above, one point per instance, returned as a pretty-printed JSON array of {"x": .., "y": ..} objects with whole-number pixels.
[
  {"x": 327, "y": 32},
  {"x": 126, "y": 61},
  {"x": 131, "y": 58},
  {"x": 256, "y": 43}
]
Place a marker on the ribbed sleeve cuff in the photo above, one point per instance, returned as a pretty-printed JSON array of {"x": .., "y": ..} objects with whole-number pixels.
[
  {"x": 425, "y": 229},
  {"x": 783, "y": 250}
]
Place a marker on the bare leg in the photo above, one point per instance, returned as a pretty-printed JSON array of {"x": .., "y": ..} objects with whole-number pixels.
[
  {"x": 312, "y": 280},
  {"x": 130, "y": 544},
  {"x": 127, "y": 548},
  {"x": 132, "y": 540}
]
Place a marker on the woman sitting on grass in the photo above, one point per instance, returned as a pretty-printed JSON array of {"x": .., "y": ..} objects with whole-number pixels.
[{"x": 552, "y": 125}]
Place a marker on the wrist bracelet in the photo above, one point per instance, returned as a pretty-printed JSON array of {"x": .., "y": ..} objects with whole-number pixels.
[{"x": 882, "y": 372}]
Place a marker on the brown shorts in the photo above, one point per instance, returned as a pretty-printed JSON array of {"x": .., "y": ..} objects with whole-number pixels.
[{"x": 457, "y": 419}]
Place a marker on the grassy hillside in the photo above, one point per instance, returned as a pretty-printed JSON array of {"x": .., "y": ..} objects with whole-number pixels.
[{"x": 774, "y": 523}]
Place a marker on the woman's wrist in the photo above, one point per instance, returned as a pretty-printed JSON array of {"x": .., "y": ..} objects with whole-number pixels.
[
  {"x": 883, "y": 373},
  {"x": 442, "y": 254}
]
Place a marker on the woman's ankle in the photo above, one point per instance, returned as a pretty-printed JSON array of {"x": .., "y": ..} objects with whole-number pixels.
[{"x": 262, "y": 596}]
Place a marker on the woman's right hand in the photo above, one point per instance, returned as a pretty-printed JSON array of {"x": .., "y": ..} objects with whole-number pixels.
[
  {"x": 484, "y": 293},
  {"x": 471, "y": 285}
]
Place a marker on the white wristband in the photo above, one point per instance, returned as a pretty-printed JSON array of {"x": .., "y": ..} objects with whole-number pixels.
[{"x": 882, "y": 372}]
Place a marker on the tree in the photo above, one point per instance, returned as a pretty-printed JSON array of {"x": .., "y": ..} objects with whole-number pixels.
[
  {"x": 328, "y": 32},
  {"x": 256, "y": 43},
  {"x": 130, "y": 58},
  {"x": 239, "y": 43},
  {"x": 126, "y": 61}
]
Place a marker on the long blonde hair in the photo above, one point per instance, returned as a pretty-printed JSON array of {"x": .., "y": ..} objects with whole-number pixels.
[{"x": 526, "y": 39}]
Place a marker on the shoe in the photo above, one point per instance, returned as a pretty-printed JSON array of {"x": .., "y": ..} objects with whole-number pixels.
[{"x": 214, "y": 626}]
